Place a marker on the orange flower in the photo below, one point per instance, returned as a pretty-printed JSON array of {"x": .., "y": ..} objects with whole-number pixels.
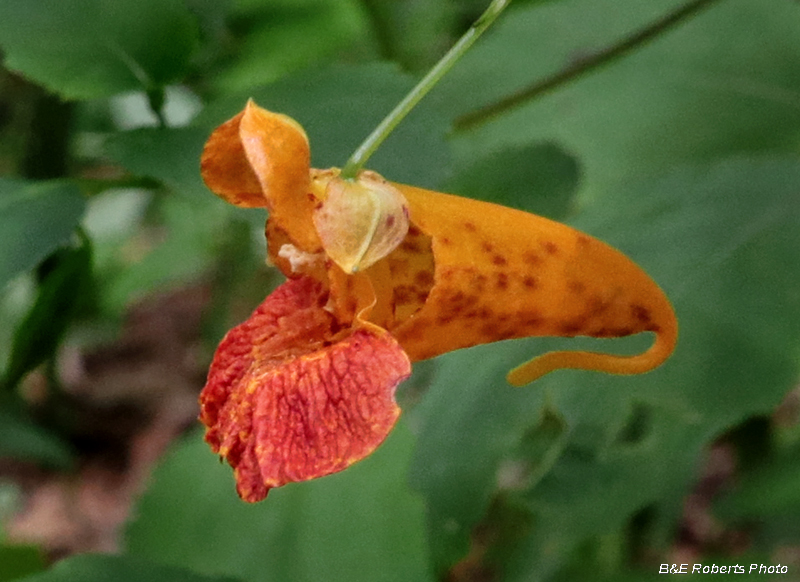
[{"x": 381, "y": 275}]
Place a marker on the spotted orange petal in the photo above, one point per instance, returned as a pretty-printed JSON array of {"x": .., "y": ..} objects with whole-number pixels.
[
  {"x": 501, "y": 273},
  {"x": 288, "y": 400}
]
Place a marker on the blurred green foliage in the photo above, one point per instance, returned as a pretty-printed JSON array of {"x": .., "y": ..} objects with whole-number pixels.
[
  {"x": 97, "y": 568},
  {"x": 683, "y": 154},
  {"x": 19, "y": 561}
]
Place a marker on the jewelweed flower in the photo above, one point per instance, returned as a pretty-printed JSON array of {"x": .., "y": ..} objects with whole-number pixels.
[{"x": 381, "y": 275}]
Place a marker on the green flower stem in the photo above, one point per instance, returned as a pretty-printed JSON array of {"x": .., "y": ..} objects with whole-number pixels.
[
  {"x": 601, "y": 58},
  {"x": 428, "y": 82}
]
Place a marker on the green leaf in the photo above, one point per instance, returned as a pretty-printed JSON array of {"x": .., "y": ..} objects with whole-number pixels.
[
  {"x": 85, "y": 49},
  {"x": 715, "y": 86},
  {"x": 722, "y": 240},
  {"x": 35, "y": 219},
  {"x": 171, "y": 155},
  {"x": 468, "y": 419},
  {"x": 359, "y": 525},
  {"x": 21, "y": 438},
  {"x": 548, "y": 175},
  {"x": 281, "y": 38},
  {"x": 65, "y": 292},
  {"x": 415, "y": 33},
  {"x": 101, "y": 568},
  {"x": 19, "y": 561}
]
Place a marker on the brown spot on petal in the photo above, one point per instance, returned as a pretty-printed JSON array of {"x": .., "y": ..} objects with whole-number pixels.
[
  {"x": 499, "y": 260},
  {"x": 424, "y": 278},
  {"x": 597, "y": 305},
  {"x": 550, "y": 247},
  {"x": 404, "y": 294},
  {"x": 641, "y": 313},
  {"x": 490, "y": 329},
  {"x": 573, "y": 327},
  {"x": 530, "y": 282},
  {"x": 411, "y": 245},
  {"x": 476, "y": 281},
  {"x": 530, "y": 319},
  {"x": 501, "y": 282},
  {"x": 411, "y": 267},
  {"x": 576, "y": 286},
  {"x": 531, "y": 259},
  {"x": 470, "y": 226},
  {"x": 482, "y": 312}
]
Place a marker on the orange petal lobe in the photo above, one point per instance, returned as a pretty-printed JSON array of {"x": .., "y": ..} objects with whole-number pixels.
[
  {"x": 278, "y": 152},
  {"x": 288, "y": 400},
  {"x": 226, "y": 169},
  {"x": 502, "y": 273}
]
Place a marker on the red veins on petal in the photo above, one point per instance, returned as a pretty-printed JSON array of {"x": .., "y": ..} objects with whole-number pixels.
[
  {"x": 381, "y": 273},
  {"x": 287, "y": 399}
]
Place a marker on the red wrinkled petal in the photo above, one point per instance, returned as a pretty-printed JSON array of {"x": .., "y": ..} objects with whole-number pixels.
[{"x": 282, "y": 403}]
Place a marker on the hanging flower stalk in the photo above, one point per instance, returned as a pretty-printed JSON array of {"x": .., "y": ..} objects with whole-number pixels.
[{"x": 381, "y": 275}]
